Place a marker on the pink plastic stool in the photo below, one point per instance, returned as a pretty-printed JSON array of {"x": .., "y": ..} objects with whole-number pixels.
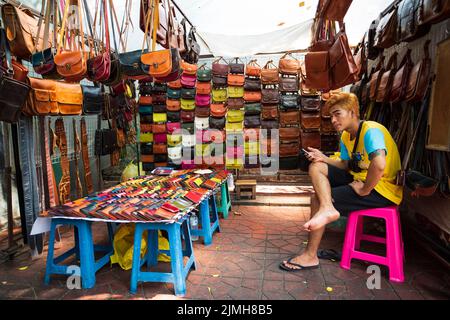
[{"x": 394, "y": 243}]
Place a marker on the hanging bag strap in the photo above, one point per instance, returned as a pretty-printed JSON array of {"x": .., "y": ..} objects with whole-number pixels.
[
  {"x": 220, "y": 58},
  {"x": 270, "y": 64},
  {"x": 357, "y": 137}
]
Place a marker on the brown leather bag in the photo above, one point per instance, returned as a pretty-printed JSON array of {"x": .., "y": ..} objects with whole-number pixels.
[
  {"x": 310, "y": 120},
  {"x": 269, "y": 112},
  {"x": 310, "y": 104},
  {"x": 289, "y": 134},
  {"x": 218, "y": 110},
  {"x": 270, "y": 96},
  {"x": 220, "y": 69},
  {"x": 202, "y": 111},
  {"x": 289, "y": 149},
  {"x": 252, "y": 96},
  {"x": 288, "y": 66},
  {"x": 253, "y": 69},
  {"x": 385, "y": 85},
  {"x": 288, "y": 84},
  {"x": 387, "y": 30},
  {"x": 289, "y": 118},
  {"x": 69, "y": 97},
  {"x": 433, "y": 11},
  {"x": 317, "y": 65},
  {"x": 21, "y": 30},
  {"x": 375, "y": 77},
  {"x": 235, "y": 79},
  {"x": 146, "y": 127},
  {"x": 176, "y": 84},
  {"x": 335, "y": 10},
  {"x": 419, "y": 77},
  {"x": 235, "y": 103},
  {"x": 160, "y": 148},
  {"x": 408, "y": 21},
  {"x": 145, "y": 100},
  {"x": 326, "y": 125},
  {"x": 359, "y": 55},
  {"x": 269, "y": 73},
  {"x": 42, "y": 97},
  {"x": 159, "y": 128},
  {"x": 173, "y": 105},
  {"x": 203, "y": 87},
  {"x": 310, "y": 139},
  {"x": 400, "y": 81},
  {"x": 147, "y": 158}
]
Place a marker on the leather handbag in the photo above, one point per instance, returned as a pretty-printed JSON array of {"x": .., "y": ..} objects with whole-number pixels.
[
  {"x": 20, "y": 72},
  {"x": 220, "y": 69},
  {"x": 146, "y": 148},
  {"x": 192, "y": 52},
  {"x": 188, "y": 81},
  {"x": 252, "y": 84},
  {"x": 252, "y": 69},
  {"x": 203, "y": 74},
  {"x": 202, "y": 111},
  {"x": 42, "y": 98},
  {"x": 159, "y": 98},
  {"x": 269, "y": 124},
  {"x": 289, "y": 149},
  {"x": 188, "y": 68},
  {"x": 288, "y": 84},
  {"x": 288, "y": 66},
  {"x": 269, "y": 73},
  {"x": 173, "y": 105},
  {"x": 145, "y": 100},
  {"x": 159, "y": 108},
  {"x": 13, "y": 95},
  {"x": 159, "y": 128},
  {"x": 173, "y": 126},
  {"x": 159, "y": 138},
  {"x": 160, "y": 148},
  {"x": 234, "y": 126},
  {"x": 187, "y": 116},
  {"x": 360, "y": 58},
  {"x": 310, "y": 139},
  {"x": 235, "y": 92},
  {"x": 146, "y": 127},
  {"x": 269, "y": 112},
  {"x": 145, "y": 88},
  {"x": 237, "y": 67},
  {"x": 187, "y": 105},
  {"x": 159, "y": 87},
  {"x": 146, "y": 137},
  {"x": 188, "y": 127},
  {"x": 203, "y": 88},
  {"x": 174, "y": 93},
  {"x": 289, "y": 118},
  {"x": 218, "y": 110},
  {"x": 408, "y": 21},
  {"x": 252, "y": 109},
  {"x": 130, "y": 64},
  {"x": 219, "y": 81},
  {"x": 188, "y": 93},
  {"x": 173, "y": 116},
  {"x": 326, "y": 125},
  {"x": 106, "y": 141},
  {"x": 69, "y": 98},
  {"x": 235, "y": 103},
  {"x": 217, "y": 123},
  {"x": 419, "y": 77},
  {"x": 372, "y": 51},
  {"x": 219, "y": 95},
  {"x": 270, "y": 96},
  {"x": 400, "y": 80},
  {"x": 310, "y": 120},
  {"x": 433, "y": 11},
  {"x": 159, "y": 117},
  {"x": 289, "y": 102},
  {"x": 176, "y": 84},
  {"x": 317, "y": 70},
  {"x": 310, "y": 104},
  {"x": 21, "y": 30},
  {"x": 235, "y": 79},
  {"x": 329, "y": 142},
  {"x": 202, "y": 100},
  {"x": 201, "y": 123},
  {"x": 71, "y": 64},
  {"x": 335, "y": 10},
  {"x": 375, "y": 78},
  {"x": 289, "y": 134},
  {"x": 387, "y": 30},
  {"x": 252, "y": 121},
  {"x": 385, "y": 85},
  {"x": 147, "y": 158},
  {"x": 145, "y": 110},
  {"x": 146, "y": 119},
  {"x": 235, "y": 116},
  {"x": 174, "y": 140},
  {"x": 93, "y": 99}
]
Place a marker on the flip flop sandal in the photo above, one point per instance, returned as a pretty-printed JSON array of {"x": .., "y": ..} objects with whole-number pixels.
[
  {"x": 329, "y": 254},
  {"x": 284, "y": 267}
]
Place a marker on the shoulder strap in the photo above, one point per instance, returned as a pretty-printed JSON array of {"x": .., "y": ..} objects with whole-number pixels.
[{"x": 357, "y": 136}]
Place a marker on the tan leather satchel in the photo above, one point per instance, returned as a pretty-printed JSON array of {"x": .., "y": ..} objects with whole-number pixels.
[
  {"x": 419, "y": 77},
  {"x": 289, "y": 66},
  {"x": 289, "y": 118},
  {"x": 385, "y": 85},
  {"x": 269, "y": 73},
  {"x": 310, "y": 120},
  {"x": 400, "y": 81},
  {"x": 375, "y": 77},
  {"x": 43, "y": 97},
  {"x": 387, "y": 30},
  {"x": 69, "y": 97}
]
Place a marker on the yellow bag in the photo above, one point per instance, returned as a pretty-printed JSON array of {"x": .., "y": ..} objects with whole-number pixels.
[
  {"x": 146, "y": 137},
  {"x": 123, "y": 244},
  {"x": 160, "y": 117},
  {"x": 251, "y": 148},
  {"x": 235, "y": 115},
  {"x": 187, "y": 105},
  {"x": 173, "y": 140},
  {"x": 130, "y": 171},
  {"x": 219, "y": 95},
  {"x": 235, "y": 92},
  {"x": 234, "y": 126}
]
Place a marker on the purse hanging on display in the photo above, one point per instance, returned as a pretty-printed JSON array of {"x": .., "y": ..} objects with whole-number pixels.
[
  {"x": 93, "y": 99},
  {"x": 289, "y": 66},
  {"x": 253, "y": 69},
  {"x": 106, "y": 139},
  {"x": 269, "y": 73}
]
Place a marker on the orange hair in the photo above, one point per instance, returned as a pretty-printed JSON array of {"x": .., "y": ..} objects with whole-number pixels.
[{"x": 347, "y": 101}]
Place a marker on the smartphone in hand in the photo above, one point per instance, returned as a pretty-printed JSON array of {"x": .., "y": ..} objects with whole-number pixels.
[{"x": 305, "y": 153}]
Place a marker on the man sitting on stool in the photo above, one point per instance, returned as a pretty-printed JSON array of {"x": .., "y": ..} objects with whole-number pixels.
[{"x": 364, "y": 177}]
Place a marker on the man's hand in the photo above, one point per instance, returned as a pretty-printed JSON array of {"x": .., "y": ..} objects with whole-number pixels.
[
  {"x": 316, "y": 155},
  {"x": 359, "y": 188}
]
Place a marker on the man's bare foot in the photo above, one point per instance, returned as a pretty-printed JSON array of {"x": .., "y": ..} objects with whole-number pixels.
[
  {"x": 303, "y": 260},
  {"x": 321, "y": 218}
]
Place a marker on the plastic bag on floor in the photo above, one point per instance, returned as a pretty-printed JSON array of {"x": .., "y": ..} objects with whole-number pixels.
[{"x": 123, "y": 245}]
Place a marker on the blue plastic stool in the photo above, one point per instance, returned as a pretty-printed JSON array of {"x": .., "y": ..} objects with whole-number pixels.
[
  {"x": 225, "y": 200},
  {"x": 176, "y": 231},
  {"x": 84, "y": 250},
  {"x": 208, "y": 227}
]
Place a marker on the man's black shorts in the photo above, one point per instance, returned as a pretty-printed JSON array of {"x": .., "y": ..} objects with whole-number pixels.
[{"x": 345, "y": 199}]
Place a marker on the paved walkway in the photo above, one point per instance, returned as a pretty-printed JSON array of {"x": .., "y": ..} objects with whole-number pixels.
[{"x": 242, "y": 263}]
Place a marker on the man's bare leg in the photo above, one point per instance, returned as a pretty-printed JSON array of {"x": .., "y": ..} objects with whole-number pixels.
[
  {"x": 309, "y": 256},
  {"x": 327, "y": 212}
]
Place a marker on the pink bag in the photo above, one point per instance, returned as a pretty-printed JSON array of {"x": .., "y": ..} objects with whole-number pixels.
[
  {"x": 188, "y": 80},
  {"x": 202, "y": 100},
  {"x": 160, "y": 138},
  {"x": 202, "y": 136},
  {"x": 187, "y": 164},
  {"x": 235, "y": 152},
  {"x": 172, "y": 126}
]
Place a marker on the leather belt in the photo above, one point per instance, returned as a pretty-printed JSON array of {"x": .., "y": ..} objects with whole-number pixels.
[
  {"x": 85, "y": 156},
  {"x": 76, "y": 148},
  {"x": 61, "y": 142},
  {"x": 50, "y": 146}
]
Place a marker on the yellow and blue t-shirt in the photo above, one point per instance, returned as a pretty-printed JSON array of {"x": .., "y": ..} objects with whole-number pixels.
[{"x": 375, "y": 136}]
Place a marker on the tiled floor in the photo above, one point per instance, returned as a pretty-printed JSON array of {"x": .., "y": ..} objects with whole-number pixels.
[{"x": 242, "y": 263}]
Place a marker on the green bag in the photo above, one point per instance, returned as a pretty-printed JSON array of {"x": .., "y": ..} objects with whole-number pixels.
[{"x": 252, "y": 109}]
